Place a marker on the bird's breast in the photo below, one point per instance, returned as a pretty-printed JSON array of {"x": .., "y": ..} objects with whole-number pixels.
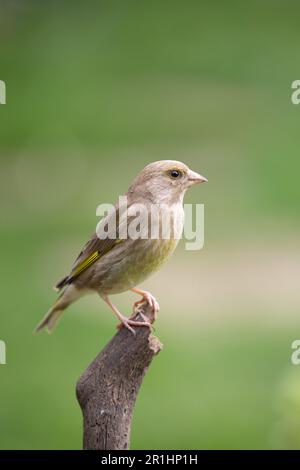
[
  {"x": 145, "y": 258},
  {"x": 134, "y": 260}
]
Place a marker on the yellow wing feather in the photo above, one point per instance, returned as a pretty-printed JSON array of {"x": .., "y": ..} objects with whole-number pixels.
[
  {"x": 90, "y": 260},
  {"x": 86, "y": 263}
]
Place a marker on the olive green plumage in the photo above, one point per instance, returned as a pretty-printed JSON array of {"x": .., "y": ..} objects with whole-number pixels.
[{"x": 114, "y": 265}]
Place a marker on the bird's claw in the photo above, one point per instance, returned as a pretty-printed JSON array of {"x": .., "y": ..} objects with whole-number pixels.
[
  {"x": 131, "y": 321},
  {"x": 147, "y": 297},
  {"x": 128, "y": 323}
]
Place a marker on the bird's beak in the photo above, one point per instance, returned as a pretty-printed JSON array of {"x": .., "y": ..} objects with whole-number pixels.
[{"x": 195, "y": 178}]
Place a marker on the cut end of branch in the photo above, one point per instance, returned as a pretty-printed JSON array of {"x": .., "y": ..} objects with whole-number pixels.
[{"x": 154, "y": 344}]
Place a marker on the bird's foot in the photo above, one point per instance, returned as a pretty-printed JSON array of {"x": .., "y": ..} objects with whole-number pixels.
[
  {"x": 126, "y": 322},
  {"x": 129, "y": 322},
  {"x": 150, "y": 299}
]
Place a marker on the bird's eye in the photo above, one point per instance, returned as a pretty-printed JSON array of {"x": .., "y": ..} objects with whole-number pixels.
[{"x": 175, "y": 174}]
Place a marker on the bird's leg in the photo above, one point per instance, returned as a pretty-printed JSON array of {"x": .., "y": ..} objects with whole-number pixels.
[
  {"x": 146, "y": 296},
  {"x": 127, "y": 322}
]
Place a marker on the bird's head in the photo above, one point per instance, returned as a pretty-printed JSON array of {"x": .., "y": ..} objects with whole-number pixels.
[{"x": 165, "y": 181}]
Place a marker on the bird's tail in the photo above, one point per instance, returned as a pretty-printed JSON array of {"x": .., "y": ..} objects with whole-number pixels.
[
  {"x": 50, "y": 319},
  {"x": 68, "y": 296}
]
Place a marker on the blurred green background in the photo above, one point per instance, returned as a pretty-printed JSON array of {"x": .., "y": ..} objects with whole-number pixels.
[{"x": 96, "y": 90}]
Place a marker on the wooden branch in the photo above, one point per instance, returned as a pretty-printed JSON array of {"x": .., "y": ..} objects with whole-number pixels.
[{"x": 108, "y": 388}]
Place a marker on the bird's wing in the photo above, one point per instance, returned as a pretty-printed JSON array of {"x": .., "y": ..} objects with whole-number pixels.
[{"x": 97, "y": 247}]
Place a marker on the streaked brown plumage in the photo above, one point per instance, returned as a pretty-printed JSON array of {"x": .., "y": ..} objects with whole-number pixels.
[{"x": 114, "y": 265}]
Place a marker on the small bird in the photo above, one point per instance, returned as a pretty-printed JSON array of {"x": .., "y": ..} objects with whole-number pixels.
[{"x": 118, "y": 263}]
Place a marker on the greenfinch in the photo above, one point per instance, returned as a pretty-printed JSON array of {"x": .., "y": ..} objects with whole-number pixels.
[{"x": 115, "y": 260}]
